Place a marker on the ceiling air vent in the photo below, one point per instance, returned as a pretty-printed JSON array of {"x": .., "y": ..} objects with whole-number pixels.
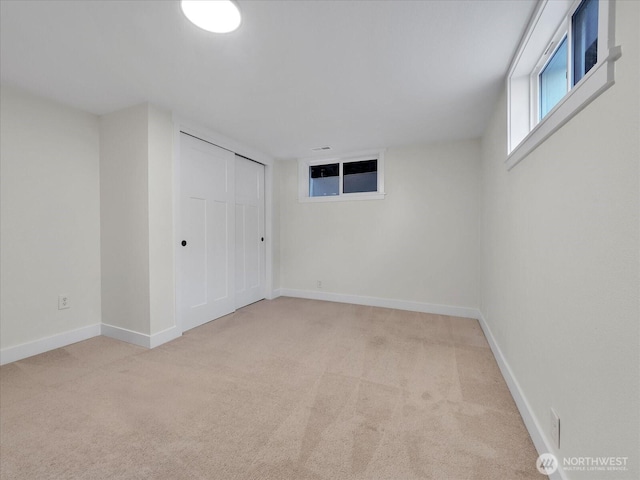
[{"x": 321, "y": 149}]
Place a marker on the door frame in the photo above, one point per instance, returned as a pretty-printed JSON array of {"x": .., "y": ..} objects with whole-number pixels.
[{"x": 182, "y": 125}]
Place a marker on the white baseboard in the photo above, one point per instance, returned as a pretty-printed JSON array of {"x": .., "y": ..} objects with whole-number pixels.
[
  {"x": 382, "y": 302},
  {"x": 539, "y": 438},
  {"x": 164, "y": 336},
  {"x": 19, "y": 352},
  {"x": 13, "y": 354},
  {"x": 274, "y": 294},
  {"x": 141, "y": 339},
  {"x": 125, "y": 335}
]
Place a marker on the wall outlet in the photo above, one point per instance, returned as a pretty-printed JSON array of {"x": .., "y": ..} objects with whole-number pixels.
[
  {"x": 64, "y": 302},
  {"x": 319, "y": 284},
  {"x": 555, "y": 428}
]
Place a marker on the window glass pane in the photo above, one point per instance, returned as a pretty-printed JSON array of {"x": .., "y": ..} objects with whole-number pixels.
[
  {"x": 553, "y": 80},
  {"x": 360, "y": 176},
  {"x": 585, "y": 38},
  {"x": 324, "y": 180}
]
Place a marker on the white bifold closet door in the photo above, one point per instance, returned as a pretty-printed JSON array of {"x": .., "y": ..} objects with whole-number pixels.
[{"x": 222, "y": 255}]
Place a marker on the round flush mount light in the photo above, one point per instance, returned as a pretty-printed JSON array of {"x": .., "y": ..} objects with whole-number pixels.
[{"x": 218, "y": 16}]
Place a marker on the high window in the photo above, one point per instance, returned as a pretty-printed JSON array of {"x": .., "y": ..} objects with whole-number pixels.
[
  {"x": 358, "y": 176},
  {"x": 553, "y": 79},
  {"x": 565, "y": 60},
  {"x": 584, "y": 30}
]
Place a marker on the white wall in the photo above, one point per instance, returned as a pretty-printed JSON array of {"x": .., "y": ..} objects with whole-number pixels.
[
  {"x": 87, "y": 211},
  {"x": 124, "y": 213},
  {"x": 419, "y": 244},
  {"x": 50, "y": 218},
  {"x": 161, "y": 240},
  {"x": 136, "y": 178},
  {"x": 560, "y": 266},
  {"x": 277, "y": 184}
]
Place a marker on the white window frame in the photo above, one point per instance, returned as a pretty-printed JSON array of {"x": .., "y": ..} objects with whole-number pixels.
[
  {"x": 550, "y": 22},
  {"x": 303, "y": 176}
]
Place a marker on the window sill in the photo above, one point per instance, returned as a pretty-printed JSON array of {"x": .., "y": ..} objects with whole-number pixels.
[
  {"x": 343, "y": 198},
  {"x": 599, "y": 79}
]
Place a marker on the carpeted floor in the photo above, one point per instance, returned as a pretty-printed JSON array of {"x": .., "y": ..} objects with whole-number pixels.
[{"x": 283, "y": 389}]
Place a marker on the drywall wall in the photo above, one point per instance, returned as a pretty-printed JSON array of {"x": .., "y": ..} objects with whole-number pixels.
[
  {"x": 161, "y": 246},
  {"x": 419, "y": 244},
  {"x": 50, "y": 218},
  {"x": 560, "y": 266},
  {"x": 275, "y": 240},
  {"x": 136, "y": 179},
  {"x": 124, "y": 214}
]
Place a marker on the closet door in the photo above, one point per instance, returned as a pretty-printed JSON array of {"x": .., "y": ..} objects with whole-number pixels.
[
  {"x": 249, "y": 242},
  {"x": 206, "y": 269}
]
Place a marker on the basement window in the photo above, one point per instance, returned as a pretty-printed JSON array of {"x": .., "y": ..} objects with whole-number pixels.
[
  {"x": 357, "y": 176},
  {"x": 324, "y": 180},
  {"x": 360, "y": 176},
  {"x": 564, "y": 62}
]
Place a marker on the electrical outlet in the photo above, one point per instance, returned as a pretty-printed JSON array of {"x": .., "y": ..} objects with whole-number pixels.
[
  {"x": 319, "y": 284},
  {"x": 555, "y": 428},
  {"x": 64, "y": 302}
]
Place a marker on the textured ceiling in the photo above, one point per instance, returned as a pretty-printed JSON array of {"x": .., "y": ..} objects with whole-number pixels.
[{"x": 296, "y": 75}]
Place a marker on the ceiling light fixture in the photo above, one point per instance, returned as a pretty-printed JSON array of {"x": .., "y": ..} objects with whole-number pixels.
[{"x": 218, "y": 16}]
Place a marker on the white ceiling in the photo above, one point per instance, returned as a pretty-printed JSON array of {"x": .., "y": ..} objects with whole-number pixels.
[{"x": 296, "y": 75}]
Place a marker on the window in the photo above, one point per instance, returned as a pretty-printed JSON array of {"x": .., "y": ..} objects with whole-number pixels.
[
  {"x": 360, "y": 176},
  {"x": 324, "y": 180},
  {"x": 584, "y": 28},
  {"x": 553, "y": 80},
  {"x": 356, "y": 176},
  {"x": 565, "y": 61}
]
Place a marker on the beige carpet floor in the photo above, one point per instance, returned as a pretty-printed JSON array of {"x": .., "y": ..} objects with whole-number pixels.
[{"x": 283, "y": 389}]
